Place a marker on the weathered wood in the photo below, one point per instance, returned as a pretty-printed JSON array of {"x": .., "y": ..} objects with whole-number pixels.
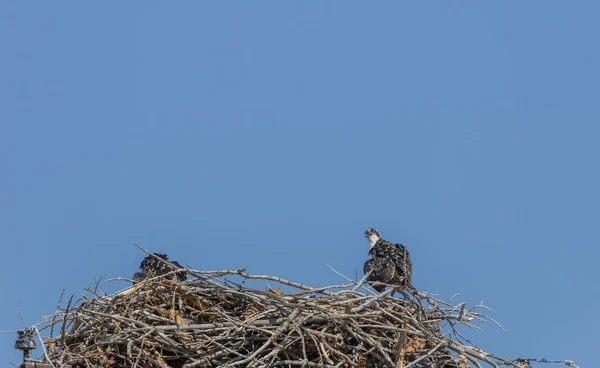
[
  {"x": 216, "y": 319},
  {"x": 38, "y": 365}
]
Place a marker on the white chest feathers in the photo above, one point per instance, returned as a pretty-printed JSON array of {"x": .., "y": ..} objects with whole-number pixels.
[{"x": 373, "y": 238}]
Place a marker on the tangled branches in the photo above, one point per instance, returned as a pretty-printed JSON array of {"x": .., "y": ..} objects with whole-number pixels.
[{"x": 215, "y": 320}]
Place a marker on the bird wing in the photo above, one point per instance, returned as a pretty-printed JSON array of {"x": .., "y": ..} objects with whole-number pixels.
[
  {"x": 403, "y": 263},
  {"x": 377, "y": 273},
  {"x": 368, "y": 266}
]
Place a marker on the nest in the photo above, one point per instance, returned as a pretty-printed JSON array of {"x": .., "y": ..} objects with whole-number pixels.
[{"x": 214, "y": 320}]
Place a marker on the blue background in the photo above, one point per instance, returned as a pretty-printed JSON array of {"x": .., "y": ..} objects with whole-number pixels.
[{"x": 270, "y": 135}]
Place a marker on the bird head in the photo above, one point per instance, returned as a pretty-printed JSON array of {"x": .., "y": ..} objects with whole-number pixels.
[
  {"x": 139, "y": 277},
  {"x": 372, "y": 236}
]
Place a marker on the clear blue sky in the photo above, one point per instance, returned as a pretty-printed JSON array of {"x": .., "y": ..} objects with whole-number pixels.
[{"x": 269, "y": 136}]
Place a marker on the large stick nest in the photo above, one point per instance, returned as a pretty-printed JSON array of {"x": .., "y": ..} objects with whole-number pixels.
[{"x": 214, "y": 320}]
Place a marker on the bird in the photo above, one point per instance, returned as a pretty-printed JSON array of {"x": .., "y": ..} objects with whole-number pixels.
[
  {"x": 389, "y": 263},
  {"x": 152, "y": 266}
]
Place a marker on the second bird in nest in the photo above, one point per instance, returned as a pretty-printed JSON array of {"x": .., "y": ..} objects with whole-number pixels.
[{"x": 152, "y": 267}]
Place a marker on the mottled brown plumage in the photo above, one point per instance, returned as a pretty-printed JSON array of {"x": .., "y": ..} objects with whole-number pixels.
[
  {"x": 153, "y": 267},
  {"x": 389, "y": 264}
]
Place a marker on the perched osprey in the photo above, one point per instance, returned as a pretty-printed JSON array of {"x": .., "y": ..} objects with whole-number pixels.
[
  {"x": 390, "y": 263},
  {"x": 152, "y": 267}
]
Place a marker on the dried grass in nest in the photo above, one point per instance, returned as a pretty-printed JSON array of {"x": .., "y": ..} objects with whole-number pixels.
[{"x": 214, "y": 320}]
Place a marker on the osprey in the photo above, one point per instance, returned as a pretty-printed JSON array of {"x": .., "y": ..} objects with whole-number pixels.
[
  {"x": 389, "y": 264},
  {"x": 152, "y": 267}
]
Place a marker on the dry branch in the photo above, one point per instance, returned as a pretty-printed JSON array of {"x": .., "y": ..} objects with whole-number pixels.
[{"x": 213, "y": 320}]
